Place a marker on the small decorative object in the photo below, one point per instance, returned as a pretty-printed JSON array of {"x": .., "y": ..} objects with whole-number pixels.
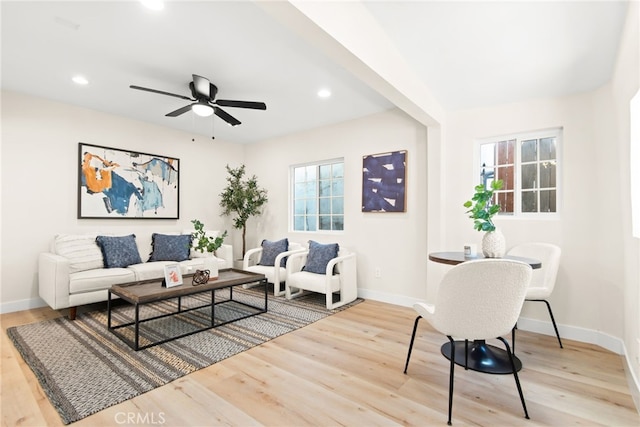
[
  {"x": 482, "y": 209},
  {"x": 115, "y": 183},
  {"x": 172, "y": 275},
  {"x": 200, "y": 277},
  {"x": 204, "y": 243},
  {"x": 384, "y": 182},
  {"x": 243, "y": 198},
  {"x": 470, "y": 250}
]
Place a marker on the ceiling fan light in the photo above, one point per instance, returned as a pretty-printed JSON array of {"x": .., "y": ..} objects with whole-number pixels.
[{"x": 202, "y": 110}]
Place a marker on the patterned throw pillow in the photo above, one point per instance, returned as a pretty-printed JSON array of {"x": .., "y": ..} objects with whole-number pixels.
[
  {"x": 119, "y": 251},
  {"x": 167, "y": 247},
  {"x": 270, "y": 250},
  {"x": 319, "y": 256},
  {"x": 81, "y": 250}
]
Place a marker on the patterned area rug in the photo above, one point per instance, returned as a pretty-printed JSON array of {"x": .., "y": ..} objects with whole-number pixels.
[{"x": 84, "y": 368}]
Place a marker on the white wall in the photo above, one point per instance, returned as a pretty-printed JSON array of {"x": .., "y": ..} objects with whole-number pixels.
[
  {"x": 624, "y": 85},
  {"x": 393, "y": 242},
  {"x": 575, "y": 229},
  {"x": 40, "y": 178}
]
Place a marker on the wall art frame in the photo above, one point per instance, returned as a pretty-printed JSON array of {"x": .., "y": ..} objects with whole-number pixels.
[
  {"x": 384, "y": 182},
  {"x": 122, "y": 184}
]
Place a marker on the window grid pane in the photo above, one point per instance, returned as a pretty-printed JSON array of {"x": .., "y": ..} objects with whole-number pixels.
[
  {"x": 318, "y": 197},
  {"x": 527, "y": 165}
]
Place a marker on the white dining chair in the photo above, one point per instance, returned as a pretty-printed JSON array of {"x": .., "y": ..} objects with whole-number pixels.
[
  {"x": 544, "y": 279},
  {"x": 477, "y": 300}
]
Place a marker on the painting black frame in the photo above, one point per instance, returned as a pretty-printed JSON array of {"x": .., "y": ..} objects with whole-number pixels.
[{"x": 111, "y": 180}]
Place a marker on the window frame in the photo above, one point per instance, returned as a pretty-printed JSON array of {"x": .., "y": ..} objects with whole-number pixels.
[
  {"x": 292, "y": 199},
  {"x": 517, "y": 184}
]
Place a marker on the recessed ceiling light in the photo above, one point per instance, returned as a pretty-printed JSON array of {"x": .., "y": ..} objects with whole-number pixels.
[
  {"x": 324, "y": 93},
  {"x": 153, "y": 4},
  {"x": 80, "y": 80}
]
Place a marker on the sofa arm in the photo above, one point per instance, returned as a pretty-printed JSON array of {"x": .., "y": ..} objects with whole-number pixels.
[
  {"x": 225, "y": 252},
  {"x": 53, "y": 280}
]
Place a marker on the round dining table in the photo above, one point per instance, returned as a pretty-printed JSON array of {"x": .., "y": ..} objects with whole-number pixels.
[{"x": 478, "y": 355}]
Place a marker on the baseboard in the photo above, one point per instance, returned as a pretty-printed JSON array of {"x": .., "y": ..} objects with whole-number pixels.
[{"x": 25, "y": 304}]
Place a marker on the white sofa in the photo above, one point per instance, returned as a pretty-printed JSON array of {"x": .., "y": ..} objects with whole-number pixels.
[{"x": 73, "y": 273}]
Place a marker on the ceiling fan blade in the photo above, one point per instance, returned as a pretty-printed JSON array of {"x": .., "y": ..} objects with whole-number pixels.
[
  {"x": 226, "y": 116},
  {"x": 160, "y": 92},
  {"x": 201, "y": 86},
  {"x": 241, "y": 104},
  {"x": 179, "y": 111}
]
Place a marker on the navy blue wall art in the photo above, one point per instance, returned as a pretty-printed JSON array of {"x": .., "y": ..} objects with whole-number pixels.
[
  {"x": 384, "y": 182},
  {"x": 114, "y": 183}
]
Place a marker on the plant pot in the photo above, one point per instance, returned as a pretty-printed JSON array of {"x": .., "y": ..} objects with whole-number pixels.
[
  {"x": 211, "y": 264},
  {"x": 493, "y": 244}
]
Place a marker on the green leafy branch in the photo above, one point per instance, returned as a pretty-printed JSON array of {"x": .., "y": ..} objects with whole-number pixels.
[
  {"x": 482, "y": 209},
  {"x": 204, "y": 242}
]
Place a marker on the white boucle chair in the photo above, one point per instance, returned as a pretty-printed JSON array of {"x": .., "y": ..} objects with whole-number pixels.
[
  {"x": 340, "y": 280},
  {"x": 275, "y": 274},
  {"x": 477, "y": 300},
  {"x": 543, "y": 280}
]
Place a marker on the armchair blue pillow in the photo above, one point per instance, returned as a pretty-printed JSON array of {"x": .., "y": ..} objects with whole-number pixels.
[
  {"x": 119, "y": 251},
  {"x": 319, "y": 256},
  {"x": 270, "y": 250}
]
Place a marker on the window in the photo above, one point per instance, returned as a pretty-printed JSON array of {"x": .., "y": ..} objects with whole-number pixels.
[
  {"x": 318, "y": 196},
  {"x": 528, "y": 166}
]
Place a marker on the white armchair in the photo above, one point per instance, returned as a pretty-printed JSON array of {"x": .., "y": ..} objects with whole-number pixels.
[
  {"x": 342, "y": 280},
  {"x": 275, "y": 274}
]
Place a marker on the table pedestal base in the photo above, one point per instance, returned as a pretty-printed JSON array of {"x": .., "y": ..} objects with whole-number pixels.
[{"x": 482, "y": 357}]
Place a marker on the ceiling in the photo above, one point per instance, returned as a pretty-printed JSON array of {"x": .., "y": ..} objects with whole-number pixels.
[{"x": 469, "y": 54}]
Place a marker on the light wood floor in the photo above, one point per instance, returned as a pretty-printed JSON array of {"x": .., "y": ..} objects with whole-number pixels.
[{"x": 347, "y": 370}]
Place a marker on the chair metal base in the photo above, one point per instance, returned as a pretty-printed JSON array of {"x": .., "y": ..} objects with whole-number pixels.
[
  {"x": 481, "y": 357},
  {"x": 451, "y": 351}
]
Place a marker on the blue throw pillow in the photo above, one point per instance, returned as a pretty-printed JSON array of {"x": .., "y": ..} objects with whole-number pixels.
[
  {"x": 119, "y": 251},
  {"x": 319, "y": 256},
  {"x": 270, "y": 250},
  {"x": 167, "y": 247}
]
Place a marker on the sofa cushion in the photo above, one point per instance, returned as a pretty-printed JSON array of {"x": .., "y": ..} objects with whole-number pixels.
[
  {"x": 319, "y": 256},
  {"x": 148, "y": 270},
  {"x": 82, "y": 251},
  {"x": 98, "y": 279},
  {"x": 270, "y": 250},
  {"x": 167, "y": 247},
  {"x": 119, "y": 251}
]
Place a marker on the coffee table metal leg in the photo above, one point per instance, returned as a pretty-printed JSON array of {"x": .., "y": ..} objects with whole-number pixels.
[
  {"x": 213, "y": 308},
  {"x": 137, "y": 329},
  {"x": 109, "y": 309},
  {"x": 266, "y": 297}
]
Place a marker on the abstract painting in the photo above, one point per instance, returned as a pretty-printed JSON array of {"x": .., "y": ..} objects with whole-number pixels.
[
  {"x": 383, "y": 182},
  {"x": 115, "y": 183}
]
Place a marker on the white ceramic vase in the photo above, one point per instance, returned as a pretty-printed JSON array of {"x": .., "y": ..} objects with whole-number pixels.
[
  {"x": 211, "y": 264},
  {"x": 493, "y": 244}
]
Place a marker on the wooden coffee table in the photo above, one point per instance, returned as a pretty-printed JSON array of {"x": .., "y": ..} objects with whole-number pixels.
[{"x": 151, "y": 291}]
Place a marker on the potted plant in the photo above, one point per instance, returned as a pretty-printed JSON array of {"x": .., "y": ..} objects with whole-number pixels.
[
  {"x": 243, "y": 198},
  {"x": 482, "y": 208},
  {"x": 203, "y": 243}
]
